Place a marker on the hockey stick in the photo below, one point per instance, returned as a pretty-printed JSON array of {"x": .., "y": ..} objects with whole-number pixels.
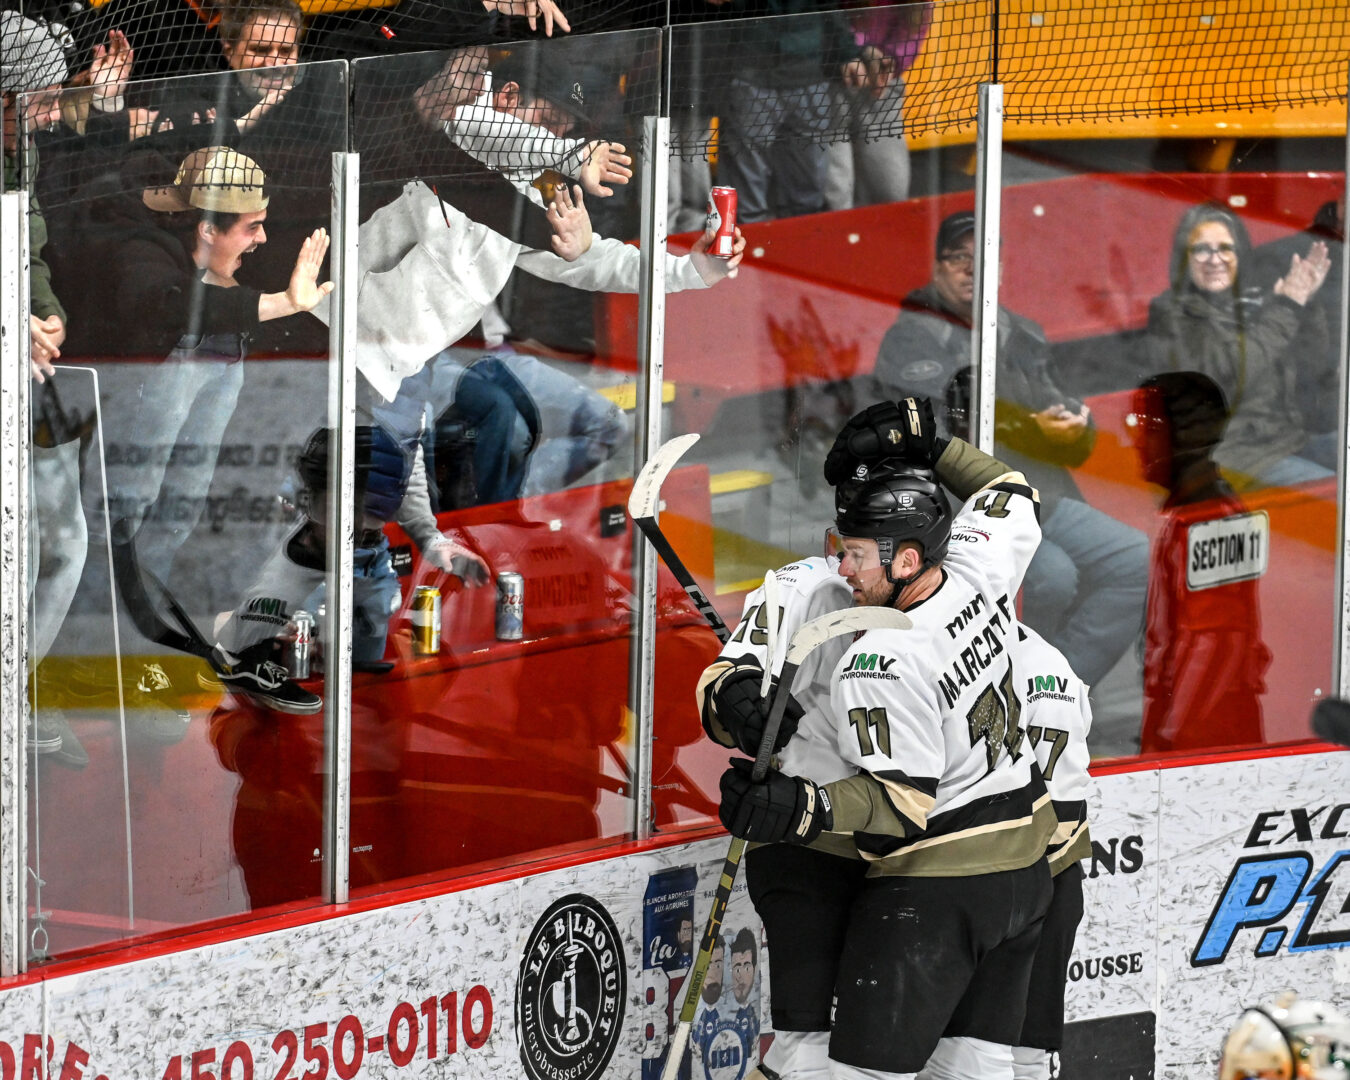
[
  {"x": 809, "y": 635},
  {"x": 642, "y": 507},
  {"x": 770, "y": 629},
  {"x": 1331, "y": 721},
  {"x": 131, "y": 580}
]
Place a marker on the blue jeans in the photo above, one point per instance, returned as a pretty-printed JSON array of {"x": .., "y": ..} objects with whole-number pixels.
[
  {"x": 577, "y": 429},
  {"x": 1086, "y": 586},
  {"x": 376, "y": 596},
  {"x": 166, "y": 448},
  {"x": 769, "y": 152}
]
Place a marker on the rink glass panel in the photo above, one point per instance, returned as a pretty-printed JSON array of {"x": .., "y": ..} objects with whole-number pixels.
[
  {"x": 766, "y": 367},
  {"x": 149, "y": 812},
  {"x": 513, "y": 740},
  {"x": 1235, "y": 642}
]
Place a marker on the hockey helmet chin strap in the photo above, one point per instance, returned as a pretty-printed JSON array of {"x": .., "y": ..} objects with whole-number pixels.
[{"x": 898, "y": 585}]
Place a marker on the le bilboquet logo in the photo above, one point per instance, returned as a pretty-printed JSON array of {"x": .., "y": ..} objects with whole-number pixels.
[
  {"x": 1283, "y": 897},
  {"x": 571, "y": 991}
]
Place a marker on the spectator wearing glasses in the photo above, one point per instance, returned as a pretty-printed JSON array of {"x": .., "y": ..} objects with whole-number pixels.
[
  {"x": 1213, "y": 321},
  {"x": 1084, "y": 590}
]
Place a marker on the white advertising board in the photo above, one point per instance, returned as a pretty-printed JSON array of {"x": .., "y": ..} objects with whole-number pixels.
[
  {"x": 543, "y": 974},
  {"x": 1252, "y": 897},
  {"x": 1210, "y": 888}
]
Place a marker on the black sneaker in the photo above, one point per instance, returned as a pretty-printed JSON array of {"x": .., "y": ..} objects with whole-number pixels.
[
  {"x": 154, "y": 713},
  {"x": 265, "y": 681}
]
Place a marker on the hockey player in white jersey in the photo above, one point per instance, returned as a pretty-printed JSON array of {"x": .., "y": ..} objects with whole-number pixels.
[
  {"x": 946, "y": 806},
  {"x": 802, "y": 894},
  {"x": 1057, "y": 719}
]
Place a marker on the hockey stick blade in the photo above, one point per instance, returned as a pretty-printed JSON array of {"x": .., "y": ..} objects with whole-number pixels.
[
  {"x": 811, "y": 635},
  {"x": 647, "y": 484},
  {"x": 1331, "y": 721},
  {"x": 642, "y": 509}
]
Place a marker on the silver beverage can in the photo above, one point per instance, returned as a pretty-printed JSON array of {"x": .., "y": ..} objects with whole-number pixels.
[
  {"x": 510, "y": 606},
  {"x": 298, "y": 659}
]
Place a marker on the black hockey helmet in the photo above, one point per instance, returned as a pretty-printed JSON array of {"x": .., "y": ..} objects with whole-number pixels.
[{"x": 894, "y": 503}]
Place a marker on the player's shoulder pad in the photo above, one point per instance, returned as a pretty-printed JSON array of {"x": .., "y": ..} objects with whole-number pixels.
[
  {"x": 1011, "y": 485},
  {"x": 805, "y": 573}
]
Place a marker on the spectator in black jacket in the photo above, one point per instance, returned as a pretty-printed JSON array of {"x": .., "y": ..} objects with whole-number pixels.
[
  {"x": 778, "y": 112},
  {"x": 1317, "y": 391},
  {"x": 169, "y": 279},
  {"x": 1084, "y": 590},
  {"x": 1214, "y": 320}
]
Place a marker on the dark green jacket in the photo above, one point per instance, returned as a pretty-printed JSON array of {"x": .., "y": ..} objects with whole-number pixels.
[{"x": 42, "y": 300}]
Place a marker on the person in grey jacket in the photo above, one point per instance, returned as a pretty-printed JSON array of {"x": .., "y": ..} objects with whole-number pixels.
[
  {"x": 1212, "y": 320},
  {"x": 1084, "y": 590}
]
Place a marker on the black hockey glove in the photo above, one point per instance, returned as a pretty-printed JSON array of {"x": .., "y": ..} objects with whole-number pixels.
[
  {"x": 902, "y": 430},
  {"x": 744, "y": 714},
  {"x": 779, "y": 809}
]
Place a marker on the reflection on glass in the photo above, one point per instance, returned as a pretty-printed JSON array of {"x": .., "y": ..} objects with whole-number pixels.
[
  {"x": 188, "y": 244},
  {"x": 813, "y": 112},
  {"x": 1217, "y": 319},
  {"x": 1084, "y": 590},
  {"x": 1204, "y": 660},
  {"x": 512, "y": 737}
]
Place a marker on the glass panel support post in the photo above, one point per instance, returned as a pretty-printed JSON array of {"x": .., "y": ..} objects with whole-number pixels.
[
  {"x": 988, "y": 203},
  {"x": 1340, "y": 680},
  {"x": 651, "y": 377},
  {"x": 16, "y": 435},
  {"x": 337, "y": 625}
]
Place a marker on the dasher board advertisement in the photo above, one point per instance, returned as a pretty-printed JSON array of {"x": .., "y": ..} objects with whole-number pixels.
[
  {"x": 1210, "y": 888},
  {"x": 1253, "y": 886},
  {"x": 541, "y": 977}
]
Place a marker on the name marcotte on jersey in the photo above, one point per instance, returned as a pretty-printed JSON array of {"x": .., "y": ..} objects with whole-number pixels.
[{"x": 983, "y": 645}]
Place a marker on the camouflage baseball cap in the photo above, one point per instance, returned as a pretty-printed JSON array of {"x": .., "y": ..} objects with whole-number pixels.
[{"x": 214, "y": 178}]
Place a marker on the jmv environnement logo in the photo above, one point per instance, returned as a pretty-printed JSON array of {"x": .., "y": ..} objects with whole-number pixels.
[{"x": 571, "y": 992}]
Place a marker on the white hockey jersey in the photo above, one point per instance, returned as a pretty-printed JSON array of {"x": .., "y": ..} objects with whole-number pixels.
[
  {"x": 1057, "y": 718},
  {"x": 932, "y": 715},
  {"x": 806, "y": 589}
]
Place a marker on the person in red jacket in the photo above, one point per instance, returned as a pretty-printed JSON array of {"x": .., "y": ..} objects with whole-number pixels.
[{"x": 1204, "y": 660}]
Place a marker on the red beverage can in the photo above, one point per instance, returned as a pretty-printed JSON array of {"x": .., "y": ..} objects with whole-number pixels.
[{"x": 722, "y": 220}]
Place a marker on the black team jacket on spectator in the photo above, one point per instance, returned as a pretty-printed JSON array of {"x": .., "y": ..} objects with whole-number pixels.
[{"x": 926, "y": 352}]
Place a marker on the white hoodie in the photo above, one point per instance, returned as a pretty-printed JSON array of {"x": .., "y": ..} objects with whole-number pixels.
[{"x": 428, "y": 272}]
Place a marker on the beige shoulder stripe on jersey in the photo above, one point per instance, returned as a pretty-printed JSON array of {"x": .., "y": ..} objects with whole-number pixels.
[{"x": 711, "y": 674}]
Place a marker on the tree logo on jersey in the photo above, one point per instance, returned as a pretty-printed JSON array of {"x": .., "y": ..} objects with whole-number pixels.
[{"x": 571, "y": 991}]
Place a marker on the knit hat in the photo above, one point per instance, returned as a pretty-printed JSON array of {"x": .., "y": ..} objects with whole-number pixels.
[
  {"x": 214, "y": 178},
  {"x": 31, "y": 57}
]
